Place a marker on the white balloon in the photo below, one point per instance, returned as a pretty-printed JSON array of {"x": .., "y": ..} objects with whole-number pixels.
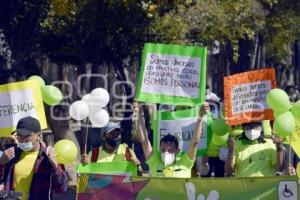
[
  {"x": 86, "y": 97},
  {"x": 99, "y": 97},
  {"x": 99, "y": 119},
  {"x": 79, "y": 110}
]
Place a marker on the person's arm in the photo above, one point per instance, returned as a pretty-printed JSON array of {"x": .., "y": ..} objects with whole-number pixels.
[
  {"x": 197, "y": 133},
  {"x": 279, "y": 155},
  {"x": 59, "y": 176},
  {"x": 230, "y": 162},
  {"x": 142, "y": 132}
]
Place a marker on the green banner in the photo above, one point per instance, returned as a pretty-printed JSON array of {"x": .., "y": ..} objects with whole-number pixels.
[
  {"x": 141, "y": 188},
  {"x": 181, "y": 124},
  {"x": 108, "y": 168},
  {"x": 172, "y": 74}
]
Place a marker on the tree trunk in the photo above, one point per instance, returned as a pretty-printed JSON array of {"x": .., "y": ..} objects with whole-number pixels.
[{"x": 126, "y": 123}]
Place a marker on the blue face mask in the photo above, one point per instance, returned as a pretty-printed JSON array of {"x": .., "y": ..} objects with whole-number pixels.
[
  {"x": 26, "y": 146},
  {"x": 1, "y": 152}
]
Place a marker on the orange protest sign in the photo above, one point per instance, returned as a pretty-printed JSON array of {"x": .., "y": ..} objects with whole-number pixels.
[{"x": 245, "y": 96}]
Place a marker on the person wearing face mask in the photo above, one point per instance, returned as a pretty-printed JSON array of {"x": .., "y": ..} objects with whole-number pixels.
[
  {"x": 31, "y": 168},
  {"x": 254, "y": 155},
  {"x": 167, "y": 163},
  {"x": 111, "y": 147}
]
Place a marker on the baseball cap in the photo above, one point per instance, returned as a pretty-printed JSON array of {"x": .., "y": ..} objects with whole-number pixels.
[
  {"x": 27, "y": 125},
  {"x": 110, "y": 127}
]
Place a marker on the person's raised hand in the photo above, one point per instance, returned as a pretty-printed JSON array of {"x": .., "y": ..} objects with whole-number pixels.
[
  {"x": 7, "y": 156},
  {"x": 204, "y": 109},
  {"x": 84, "y": 159}
]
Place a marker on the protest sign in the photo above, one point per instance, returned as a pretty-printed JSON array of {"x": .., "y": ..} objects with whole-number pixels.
[
  {"x": 181, "y": 124},
  {"x": 142, "y": 188},
  {"x": 18, "y": 100},
  {"x": 245, "y": 96},
  {"x": 172, "y": 74}
]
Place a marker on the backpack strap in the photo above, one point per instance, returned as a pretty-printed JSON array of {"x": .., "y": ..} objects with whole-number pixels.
[
  {"x": 128, "y": 155},
  {"x": 95, "y": 154}
]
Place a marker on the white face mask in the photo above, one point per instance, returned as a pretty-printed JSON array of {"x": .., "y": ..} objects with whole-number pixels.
[
  {"x": 167, "y": 158},
  {"x": 26, "y": 146},
  {"x": 252, "y": 134}
]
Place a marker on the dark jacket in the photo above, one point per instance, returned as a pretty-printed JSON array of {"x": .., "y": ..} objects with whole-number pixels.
[{"x": 45, "y": 177}]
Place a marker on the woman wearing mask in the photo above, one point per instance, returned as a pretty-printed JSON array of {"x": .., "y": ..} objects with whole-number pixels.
[{"x": 254, "y": 155}]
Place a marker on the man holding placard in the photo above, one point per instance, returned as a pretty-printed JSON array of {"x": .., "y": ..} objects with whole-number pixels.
[
  {"x": 167, "y": 163},
  {"x": 31, "y": 168}
]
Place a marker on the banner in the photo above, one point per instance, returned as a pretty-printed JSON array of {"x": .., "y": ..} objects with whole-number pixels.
[
  {"x": 245, "y": 96},
  {"x": 18, "y": 100},
  {"x": 172, "y": 74},
  {"x": 142, "y": 188},
  {"x": 181, "y": 124},
  {"x": 109, "y": 168}
]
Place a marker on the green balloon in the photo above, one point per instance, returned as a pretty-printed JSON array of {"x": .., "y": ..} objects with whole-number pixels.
[
  {"x": 278, "y": 100},
  {"x": 39, "y": 79},
  {"x": 277, "y": 113},
  {"x": 220, "y": 140},
  {"x": 236, "y": 130},
  {"x": 66, "y": 151},
  {"x": 266, "y": 127},
  {"x": 51, "y": 95},
  {"x": 219, "y": 127},
  {"x": 284, "y": 124},
  {"x": 296, "y": 109}
]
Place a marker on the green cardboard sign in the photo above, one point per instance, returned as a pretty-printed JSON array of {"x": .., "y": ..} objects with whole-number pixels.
[{"x": 172, "y": 74}]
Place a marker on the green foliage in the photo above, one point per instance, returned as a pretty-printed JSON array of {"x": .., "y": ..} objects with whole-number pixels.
[
  {"x": 228, "y": 22},
  {"x": 95, "y": 31},
  {"x": 283, "y": 27}
]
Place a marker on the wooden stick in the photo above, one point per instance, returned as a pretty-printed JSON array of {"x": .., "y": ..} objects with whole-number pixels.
[
  {"x": 86, "y": 135},
  {"x": 290, "y": 151}
]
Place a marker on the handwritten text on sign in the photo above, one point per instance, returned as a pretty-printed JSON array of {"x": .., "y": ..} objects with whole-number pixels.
[
  {"x": 183, "y": 129},
  {"x": 249, "y": 97},
  {"x": 172, "y": 75}
]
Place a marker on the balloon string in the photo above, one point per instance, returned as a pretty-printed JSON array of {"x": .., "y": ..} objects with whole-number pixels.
[
  {"x": 86, "y": 135},
  {"x": 290, "y": 151}
]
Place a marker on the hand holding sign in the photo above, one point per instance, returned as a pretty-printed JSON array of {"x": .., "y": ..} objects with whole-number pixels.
[{"x": 204, "y": 109}]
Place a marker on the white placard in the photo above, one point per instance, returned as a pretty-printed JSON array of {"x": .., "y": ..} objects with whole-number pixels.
[
  {"x": 15, "y": 105},
  {"x": 250, "y": 97},
  {"x": 183, "y": 129},
  {"x": 172, "y": 75}
]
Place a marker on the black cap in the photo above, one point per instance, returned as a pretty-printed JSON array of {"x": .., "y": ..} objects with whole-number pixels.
[{"x": 28, "y": 125}]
